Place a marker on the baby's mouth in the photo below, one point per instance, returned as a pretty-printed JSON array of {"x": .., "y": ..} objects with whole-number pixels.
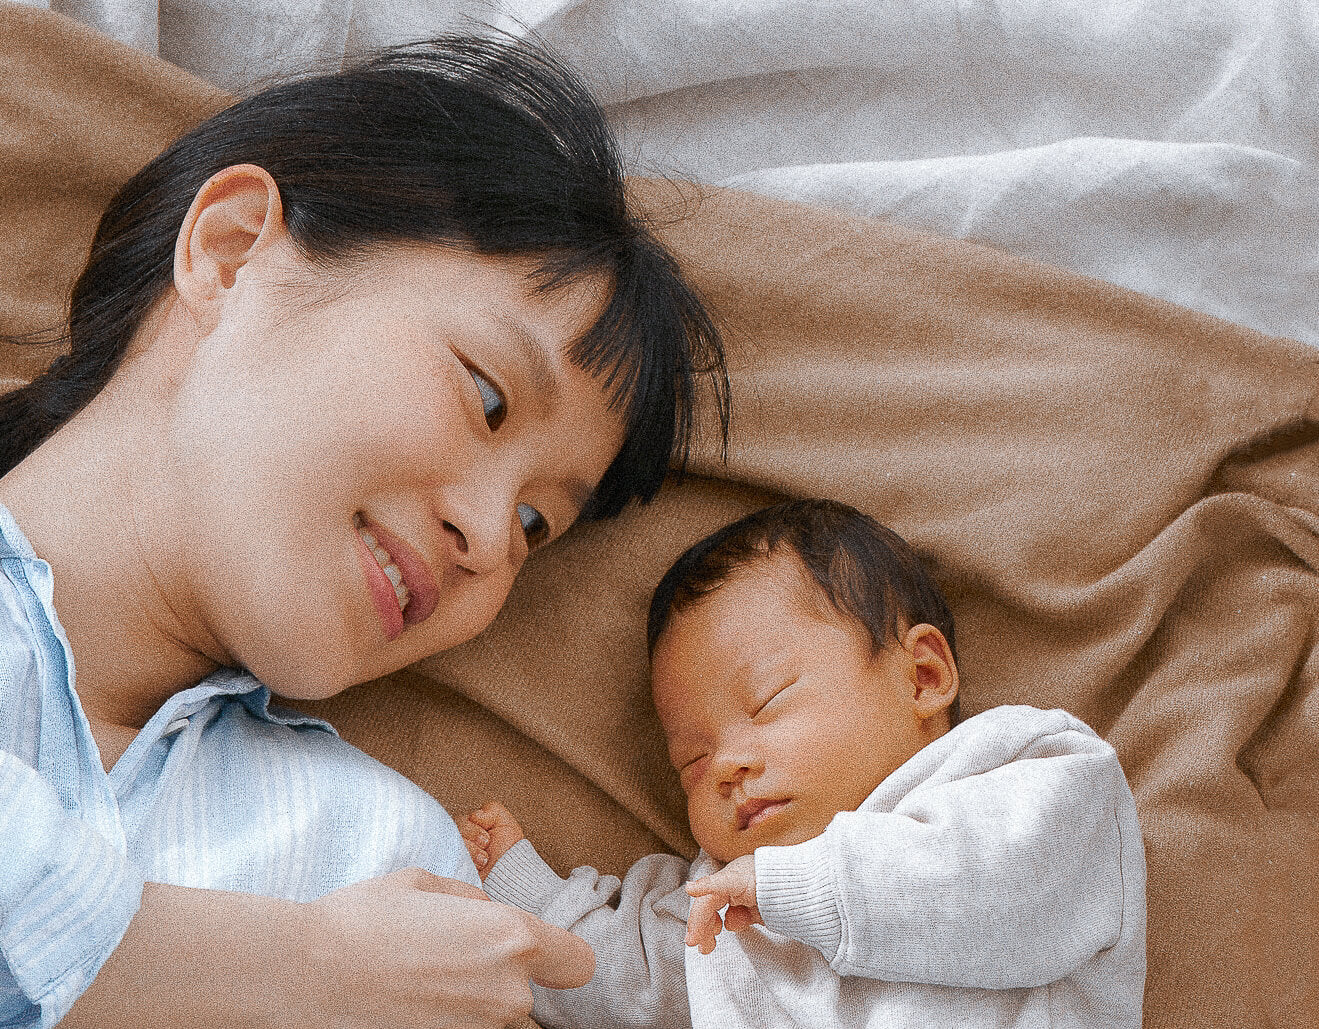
[
  {"x": 755, "y": 810},
  {"x": 386, "y": 563}
]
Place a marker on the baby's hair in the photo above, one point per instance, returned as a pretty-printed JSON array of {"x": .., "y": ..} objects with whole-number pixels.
[
  {"x": 866, "y": 571},
  {"x": 487, "y": 145}
]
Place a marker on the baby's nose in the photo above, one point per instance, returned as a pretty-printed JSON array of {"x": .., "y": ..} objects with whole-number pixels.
[{"x": 731, "y": 776}]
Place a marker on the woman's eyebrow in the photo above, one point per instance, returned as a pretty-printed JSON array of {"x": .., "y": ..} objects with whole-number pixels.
[
  {"x": 531, "y": 348},
  {"x": 532, "y": 351}
]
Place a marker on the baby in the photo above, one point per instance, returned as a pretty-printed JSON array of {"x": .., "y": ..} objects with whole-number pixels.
[{"x": 878, "y": 861}]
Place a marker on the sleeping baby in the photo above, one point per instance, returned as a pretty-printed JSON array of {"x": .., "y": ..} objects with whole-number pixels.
[{"x": 875, "y": 860}]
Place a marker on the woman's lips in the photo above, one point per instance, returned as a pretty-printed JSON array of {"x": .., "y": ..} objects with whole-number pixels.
[
  {"x": 755, "y": 810},
  {"x": 381, "y": 590},
  {"x": 417, "y": 577}
]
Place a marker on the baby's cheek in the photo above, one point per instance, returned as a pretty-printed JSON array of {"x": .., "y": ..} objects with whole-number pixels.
[
  {"x": 698, "y": 817},
  {"x": 710, "y": 828}
]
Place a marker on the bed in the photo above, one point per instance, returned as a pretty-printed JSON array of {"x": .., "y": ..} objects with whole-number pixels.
[{"x": 1067, "y": 248}]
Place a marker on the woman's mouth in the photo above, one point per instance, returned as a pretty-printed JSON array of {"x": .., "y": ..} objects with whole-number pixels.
[
  {"x": 395, "y": 577},
  {"x": 401, "y": 585},
  {"x": 755, "y": 810}
]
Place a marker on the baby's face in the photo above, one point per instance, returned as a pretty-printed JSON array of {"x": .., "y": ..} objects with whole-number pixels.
[{"x": 776, "y": 712}]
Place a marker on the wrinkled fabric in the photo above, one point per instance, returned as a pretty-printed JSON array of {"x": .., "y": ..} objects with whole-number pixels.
[
  {"x": 1166, "y": 147},
  {"x": 995, "y": 879}
]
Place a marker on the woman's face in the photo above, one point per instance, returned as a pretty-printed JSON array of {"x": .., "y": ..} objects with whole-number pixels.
[{"x": 354, "y": 479}]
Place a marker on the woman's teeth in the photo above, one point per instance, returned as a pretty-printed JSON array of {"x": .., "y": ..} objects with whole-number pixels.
[{"x": 390, "y": 569}]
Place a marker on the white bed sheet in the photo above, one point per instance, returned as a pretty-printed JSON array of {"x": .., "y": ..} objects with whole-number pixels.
[{"x": 1169, "y": 146}]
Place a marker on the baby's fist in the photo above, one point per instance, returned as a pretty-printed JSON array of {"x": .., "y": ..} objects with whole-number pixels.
[{"x": 488, "y": 832}]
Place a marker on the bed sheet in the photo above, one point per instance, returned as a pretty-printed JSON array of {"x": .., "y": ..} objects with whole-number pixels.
[{"x": 1169, "y": 146}]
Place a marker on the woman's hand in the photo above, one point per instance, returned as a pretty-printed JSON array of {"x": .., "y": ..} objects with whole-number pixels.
[
  {"x": 733, "y": 886},
  {"x": 408, "y": 950},
  {"x": 462, "y": 959},
  {"x": 488, "y": 832}
]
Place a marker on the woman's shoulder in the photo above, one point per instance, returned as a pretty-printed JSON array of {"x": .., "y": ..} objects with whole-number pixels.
[
  {"x": 259, "y": 763},
  {"x": 235, "y": 703},
  {"x": 33, "y": 656}
]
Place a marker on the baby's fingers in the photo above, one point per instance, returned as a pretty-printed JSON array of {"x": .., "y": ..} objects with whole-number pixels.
[
  {"x": 473, "y": 833},
  {"x": 492, "y": 815},
  {"x": 737, "y": 918},
  {"x": 479, "y": 858},
  {"x": 476, "y": 840},
  {"x": 704, "y": 923},
  {"x": 488, "y": 815}
]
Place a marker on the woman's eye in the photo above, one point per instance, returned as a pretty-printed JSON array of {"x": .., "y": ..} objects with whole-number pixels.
[
  {"x": 492, "y": 401},
  {"x": 534, "y": 525}
]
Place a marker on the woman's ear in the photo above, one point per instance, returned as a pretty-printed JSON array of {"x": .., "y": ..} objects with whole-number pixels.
[
  {"x": 934, "y": 671},
  {"x": 236, "y": 214}
]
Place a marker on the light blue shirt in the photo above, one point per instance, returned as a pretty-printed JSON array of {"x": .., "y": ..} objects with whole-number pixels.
[{"x": 221, "y": 789}]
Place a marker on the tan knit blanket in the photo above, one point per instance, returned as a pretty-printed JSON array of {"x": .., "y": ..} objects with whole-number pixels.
[{"x": 1120, "y": 498}]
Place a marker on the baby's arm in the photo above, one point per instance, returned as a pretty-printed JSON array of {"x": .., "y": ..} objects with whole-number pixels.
[
  {"x": 636, "y": 926},
  {"x": 1010, "y": 875}
]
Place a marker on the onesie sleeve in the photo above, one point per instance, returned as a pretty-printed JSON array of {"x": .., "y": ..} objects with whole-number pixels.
[
  {"x": 637, "y": 927},
  {"x": 66, "y": 898},
  {"x": 992, "y": 877}
]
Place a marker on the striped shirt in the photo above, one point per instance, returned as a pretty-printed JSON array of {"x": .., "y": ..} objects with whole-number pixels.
[{"x": 221, "y": 789}]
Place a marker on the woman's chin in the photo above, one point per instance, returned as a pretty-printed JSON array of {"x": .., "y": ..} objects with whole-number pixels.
[{"x": 309, "y": 673}]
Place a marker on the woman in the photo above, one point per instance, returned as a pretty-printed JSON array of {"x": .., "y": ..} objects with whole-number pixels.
[{"x": 341, "y": 358}]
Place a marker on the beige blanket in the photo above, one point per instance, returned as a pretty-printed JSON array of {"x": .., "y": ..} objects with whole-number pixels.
[{"x": 1120, "y": 498}]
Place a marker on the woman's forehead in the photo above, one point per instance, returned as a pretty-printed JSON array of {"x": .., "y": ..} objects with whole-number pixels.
[
  {"x": 457, "y": 294},
  {"x": 435, "y": 272}
]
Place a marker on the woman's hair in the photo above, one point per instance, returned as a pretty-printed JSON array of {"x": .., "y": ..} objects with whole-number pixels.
[
  {"x": 866, "y": 571},
  {"x": 489, "y": 145}
]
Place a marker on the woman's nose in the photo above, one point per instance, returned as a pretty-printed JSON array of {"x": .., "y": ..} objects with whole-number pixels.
[{"x": 476, "y": 530}]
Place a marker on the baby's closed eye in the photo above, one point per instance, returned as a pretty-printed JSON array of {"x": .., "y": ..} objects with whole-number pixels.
[
  {"x": 693, "y": 770},
  {"x": 768, "y": 702}
]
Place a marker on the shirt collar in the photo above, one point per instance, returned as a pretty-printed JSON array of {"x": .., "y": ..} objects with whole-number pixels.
[
  {"x": 241, "y": 685},
  {"x": 12, "y": 541}
]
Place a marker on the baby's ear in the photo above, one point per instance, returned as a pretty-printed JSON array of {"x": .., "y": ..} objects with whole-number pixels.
[{"x": 934, "y": 671}]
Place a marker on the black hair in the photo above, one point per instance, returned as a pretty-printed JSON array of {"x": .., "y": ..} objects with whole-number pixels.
[
  {"x": 485, "y": 144},
  {"x": 866, "y": 571}
]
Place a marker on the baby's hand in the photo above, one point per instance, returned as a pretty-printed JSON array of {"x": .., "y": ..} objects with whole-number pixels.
[
  {"x": 488, "y": 832},
  {"x": 733, "y": 885}
]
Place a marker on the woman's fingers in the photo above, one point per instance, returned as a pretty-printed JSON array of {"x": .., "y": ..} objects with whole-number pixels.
[
  {"x": 420, "y": 879},
  {"x": 561, "y": 961},
  {"x": 417, "y": 948}
]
